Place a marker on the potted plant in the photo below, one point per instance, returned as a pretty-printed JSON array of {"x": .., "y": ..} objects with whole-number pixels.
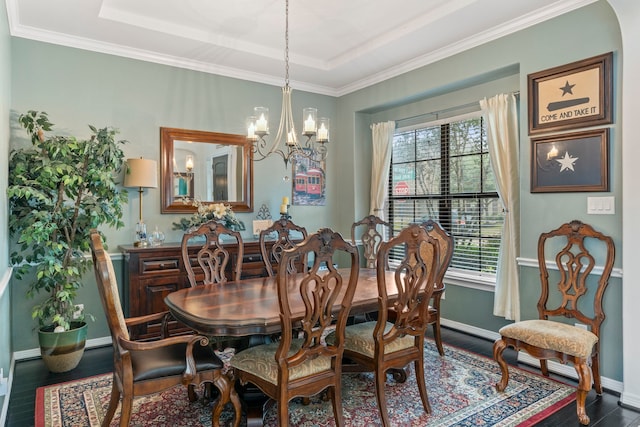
[{"x": 59, "y": 189}]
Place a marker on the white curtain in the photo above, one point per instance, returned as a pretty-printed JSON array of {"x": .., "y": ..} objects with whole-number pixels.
[
  {"x": 502, "y": 130},
  {"x": 382, "y": 136}
]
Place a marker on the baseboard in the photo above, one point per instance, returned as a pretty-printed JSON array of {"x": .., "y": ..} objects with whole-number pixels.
[
  {"x": 630, "y": 400},
  {"x": 34, "y": 353}
]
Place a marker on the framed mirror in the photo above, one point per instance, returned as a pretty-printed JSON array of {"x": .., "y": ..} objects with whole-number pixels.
[{"x": 206, "y": 166}]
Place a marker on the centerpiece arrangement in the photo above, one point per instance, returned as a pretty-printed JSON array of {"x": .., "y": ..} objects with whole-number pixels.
[{"x": 210, "y": 211}]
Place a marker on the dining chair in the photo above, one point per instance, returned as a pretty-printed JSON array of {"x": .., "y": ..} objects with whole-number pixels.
[
  {"x": 372, "y": 231},
  {"x": 286, "y": 235},
  {"x": 212, "y": 257},
  {"x": 566, "y": 341},
  {"x": 305, "y": 366},
  {"x": 446, "y": 243},
  {"x": 396, "y": 338},
  {"x": 143, "y": 368}
]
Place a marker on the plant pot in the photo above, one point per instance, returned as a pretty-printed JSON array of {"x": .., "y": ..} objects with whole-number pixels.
[{"x": 62, "y": 351}]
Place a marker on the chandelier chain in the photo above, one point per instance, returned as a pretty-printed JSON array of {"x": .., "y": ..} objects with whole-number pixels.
[{"x": 286, "y": 45}]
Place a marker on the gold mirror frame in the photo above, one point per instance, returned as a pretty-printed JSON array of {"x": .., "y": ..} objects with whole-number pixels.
[{"x": 168, "y": 136}]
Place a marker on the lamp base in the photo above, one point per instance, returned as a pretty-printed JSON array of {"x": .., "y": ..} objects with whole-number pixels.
[{"x": 141, "y": 243}]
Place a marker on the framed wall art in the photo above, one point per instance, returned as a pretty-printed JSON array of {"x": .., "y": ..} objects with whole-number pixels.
[
  {"x": 570, "y": 162},
  {"x": 571, "y": 96},
  {"x": 309, "y": 180}
]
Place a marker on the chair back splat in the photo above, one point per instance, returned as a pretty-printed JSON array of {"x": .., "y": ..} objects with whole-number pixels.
[
  {"x": 212, "y": 257},
  {"x": 446, "y": 243},
  {"x": 304, "y": 365},
  {"x": 286, "y": 233},
  {"x": 576, "y": 249},
  {"x": 373, "y": 230}
]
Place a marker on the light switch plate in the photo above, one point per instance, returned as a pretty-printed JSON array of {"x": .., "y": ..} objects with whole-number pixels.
[{"x": 601, "y": 205}]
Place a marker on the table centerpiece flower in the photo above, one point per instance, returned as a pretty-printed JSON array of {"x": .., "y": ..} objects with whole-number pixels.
[{"x": 210, "y": 211}]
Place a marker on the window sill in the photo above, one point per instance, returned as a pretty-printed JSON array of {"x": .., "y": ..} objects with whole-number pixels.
[{"x": 478, "y": 281}]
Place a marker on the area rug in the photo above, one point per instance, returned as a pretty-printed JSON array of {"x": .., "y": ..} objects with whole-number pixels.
[{"x": 460, "y": 387}]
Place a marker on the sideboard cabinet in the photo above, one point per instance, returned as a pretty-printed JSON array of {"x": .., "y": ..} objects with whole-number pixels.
[{"x": 153, "y": 272}]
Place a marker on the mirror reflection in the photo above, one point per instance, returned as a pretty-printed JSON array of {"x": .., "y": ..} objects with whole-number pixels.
[{"x": 206, "y": 166}]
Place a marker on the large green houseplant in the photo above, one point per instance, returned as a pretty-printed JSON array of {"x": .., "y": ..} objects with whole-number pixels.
[{"x": 60, "y": 188}]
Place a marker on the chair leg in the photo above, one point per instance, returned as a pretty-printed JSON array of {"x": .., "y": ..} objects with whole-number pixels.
[
  {"x": 126, "y": 407},
  {"x": 584, "y": 386},
  {"x": 191, "y": 392},
  {"x": 380, "y": 378},
  {"x": 113, "y": 403},
  {"x": 335, "y": 394},
  {"x": 283, "y": 413},
  {"x": 544, "y": 367},
  {"x": 498, "y": 349},
  {"x": 595, "y": 370},
  {"x": 419, "y": 365},
  {"x": 437, "y": 336}
]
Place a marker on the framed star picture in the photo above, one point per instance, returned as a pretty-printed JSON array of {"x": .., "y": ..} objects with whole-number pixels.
[
  {"x": 570, "y": 162},
  {"x": 571, "y": 96}
]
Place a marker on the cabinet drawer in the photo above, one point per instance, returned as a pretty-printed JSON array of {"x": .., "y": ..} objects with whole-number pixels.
[{"x": 165, "y": 265}]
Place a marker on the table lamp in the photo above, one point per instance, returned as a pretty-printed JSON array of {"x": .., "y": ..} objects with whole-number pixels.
[{"x": 141, "y": 173}]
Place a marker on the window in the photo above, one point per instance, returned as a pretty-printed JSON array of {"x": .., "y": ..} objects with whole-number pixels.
[{"x": 441, "y": 171}]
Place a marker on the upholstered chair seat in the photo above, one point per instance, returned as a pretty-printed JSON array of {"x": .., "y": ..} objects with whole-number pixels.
[
  {"x": 359, "y": 339},
  {"x": 260, "y": 361},
  {"x": 552, "y": 335},
  {"x": 168, "y": 361}
]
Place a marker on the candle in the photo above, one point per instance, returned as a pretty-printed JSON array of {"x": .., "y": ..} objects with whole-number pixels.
[
  {"x": 261, "y": 124},
  {"x": 309, "y": 125},
  {"x": 283, "y": 209},
  {"x": 251, "y": 132},
  {"x": 323, "y": 133},
  {"x": 285, "y": 200},
  {"x": 291, "y": 140}
]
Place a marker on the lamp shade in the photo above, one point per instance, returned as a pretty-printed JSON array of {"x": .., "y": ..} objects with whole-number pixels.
[{"x": 141, "y": 173}]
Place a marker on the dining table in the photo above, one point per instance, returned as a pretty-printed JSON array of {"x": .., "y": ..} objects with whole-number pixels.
[{"x": 250, "y": 307}]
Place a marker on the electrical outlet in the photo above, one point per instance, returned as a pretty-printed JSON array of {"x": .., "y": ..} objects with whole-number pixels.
[{"x": 581, "y": 326}]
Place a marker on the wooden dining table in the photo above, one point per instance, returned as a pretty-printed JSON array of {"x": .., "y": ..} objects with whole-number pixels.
[{"x": 250, "y": 307}]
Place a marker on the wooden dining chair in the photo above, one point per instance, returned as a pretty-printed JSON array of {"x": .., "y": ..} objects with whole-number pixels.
[
  {"x": 306, "y": 366},
  {"x": 286, "y": 235},
  {"x": 396, "y": 338},
  {"x": 371, "y": 231},
  {"x": 142, "y": 368},
  {"x": 446, "y": 243},
  {"x": 212, "y": 258},
  {"x": 565, "y": 341}
]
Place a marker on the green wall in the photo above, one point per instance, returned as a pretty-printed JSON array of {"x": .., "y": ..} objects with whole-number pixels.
[{"x": 78, "y": 87}]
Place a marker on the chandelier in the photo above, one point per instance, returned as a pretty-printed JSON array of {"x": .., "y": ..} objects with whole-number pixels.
[{"x": 286, "y": 143}]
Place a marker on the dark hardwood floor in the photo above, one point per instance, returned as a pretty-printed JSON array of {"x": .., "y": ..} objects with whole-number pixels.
[{"x": 604, "y": 410}]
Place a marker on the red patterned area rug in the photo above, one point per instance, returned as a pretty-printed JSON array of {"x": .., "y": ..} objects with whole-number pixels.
[{"x": 460, "y": 386}]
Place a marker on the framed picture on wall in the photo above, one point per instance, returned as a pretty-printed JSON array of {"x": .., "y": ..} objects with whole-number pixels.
[
  {"x": 571, "y": 96},
  {"x": 309, "y": 180},
  {"x": 570, "y": 162}
]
